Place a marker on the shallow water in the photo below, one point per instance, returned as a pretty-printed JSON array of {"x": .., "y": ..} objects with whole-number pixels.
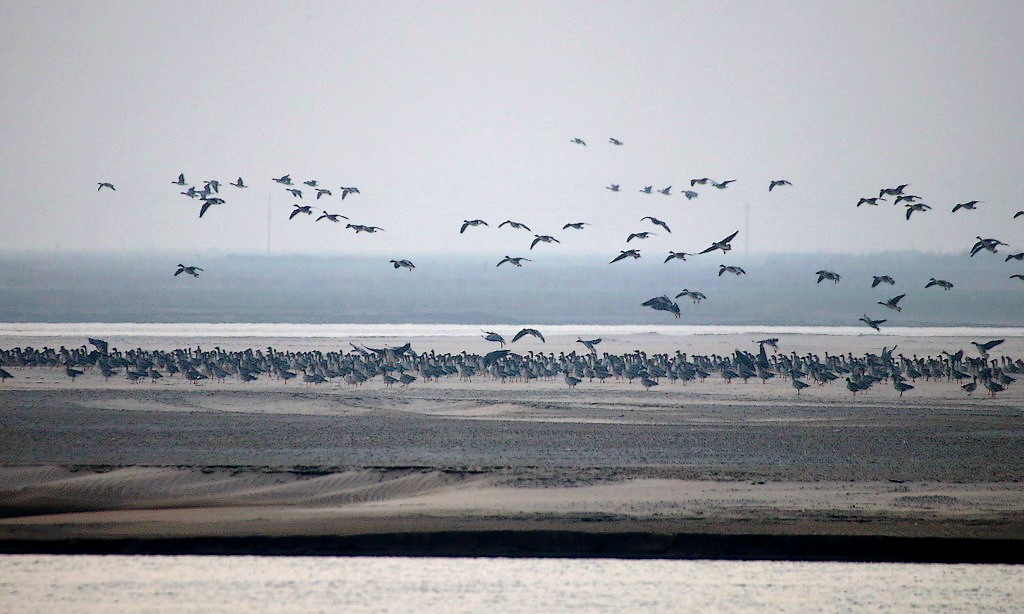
[{"x": 30, "y": 583}]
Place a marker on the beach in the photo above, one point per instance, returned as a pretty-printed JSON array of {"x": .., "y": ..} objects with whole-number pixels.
[{"x": 100, "y": 463}]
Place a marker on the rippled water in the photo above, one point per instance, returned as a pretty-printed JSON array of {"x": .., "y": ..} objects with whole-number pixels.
[{"x": 30, "y": 583}]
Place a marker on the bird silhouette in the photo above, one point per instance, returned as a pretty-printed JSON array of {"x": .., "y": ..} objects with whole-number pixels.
[
  {"x": 656, "y": 222},
  {"x": 190, "y": 270},
  {"x": 403, "y": 264},
  {"x": 579, "y": 141},
  {"x": 872, "y": 323},
  {"x": 677, "y": 256},
  {"x": 516, "y": 225},
  {"x": 724, "y": 244},
  {"x": 467, "y": 223},
  {"x": 514, "y": 261},
  {"x": 882, "y": 279},
  {"x": 777, "y": 182},
  {"x": 239, "y": 183},
  {"x": 543, "y": 239},
  {"x": 105, "y": 184},
  {"x": 662, "y": 303},
  {"x": 528, "y": 331},
  {"x": 893, "y": 303},
  {"x": 626, "y": 253}
]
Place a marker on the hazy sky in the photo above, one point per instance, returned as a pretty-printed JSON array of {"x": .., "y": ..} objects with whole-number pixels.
[{"x": 443, "y": 111}]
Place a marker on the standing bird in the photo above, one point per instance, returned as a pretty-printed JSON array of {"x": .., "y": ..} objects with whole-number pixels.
[
  {"x": 467, "y": 223},
  {"x": 872, "y": 323},
  {"x": 626, "y": 253},
  {"x": 777, "y": 182},
  {"x": 724, "y": 244},
  {"x": 528, "y": 331},
  {"x": 403, "y": 263},
  {"x": 191, "y": 270},
  {"x": 105, "y": 185},
  {"x": 657, "y": 222}
]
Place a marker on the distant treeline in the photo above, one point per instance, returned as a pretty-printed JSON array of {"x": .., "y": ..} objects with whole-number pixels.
[{"x": 777, "y": 290}]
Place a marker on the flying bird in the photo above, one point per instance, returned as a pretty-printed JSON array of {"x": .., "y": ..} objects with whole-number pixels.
[
  {"x": 297, "y": 193},
  {"x": 467, "y": 223},
  {"x": 181, "y": 179},
  {"x": 870, "y": 201},
  {"x": 239, "y": 183},
  {"x": 361, "y": 228},
  {"x": 690, "y": 194},
  {"x": 333, "y": 217},
  {"x": 403, "y": 263},
  {"x": 191, "y": 270},
  {"x": 892, "y": 191},
  {"x": 829, "y": 275},
  {"x": 893, "y": 303},
  {"x": 543, "y": 239},
  {"x": 516, "y": 225},
  {"x": 322, "y": 192},
  {"x": 882, "y": 279},
  {"x": 657, "y": 222},
  {"x": 872, "y": 323},
  {"x": 284, "y": 179},
  {"x": 613, "y": 187},
  {"x": 208, "y": 202},
  {"x": 589, "y": 344},
  {"x": 724, "y": 244},
  {"x": 639, "y": 235},
  {"x": 307, "y": 209},
  {"x": 777, "y": 182},
  {"x": 969, "y": 205},
  {"x": 614, "y": 141},
  {"x": 647, "y": 189},
  {"x": 721, "y": 185},
  {"x": 942, "y": 283},
  {"x": 518, "y": 261},
  {"x": 626, "y": 253},
  {"x": 578, "y": 141},
  {"x": 701, "y": 181},
  {"x": 575, "y": 225},
  {"x": 911, "y": 208},
  {"x": 666, "y": 191},
  {"x": 695, "y": 296},
  {"x": 988, "y": 244},
  {"x": 677, "y": 256},
  {"x": 528, "y": 331},
  {"x": 311, "y": 183},
  {"x": 735, "y": 270},
  {"x": 490, "y": 336},
  {"x": 349, "y": 190},
  {"x": 983, "y": 348},
  {"x": 105, "y": 185},
  {"x": 662, "y": 303},
  {"x": 1018, "y": 256}
]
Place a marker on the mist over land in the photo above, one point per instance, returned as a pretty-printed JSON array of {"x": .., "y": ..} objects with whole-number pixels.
[{"x": 777, "y": 290}]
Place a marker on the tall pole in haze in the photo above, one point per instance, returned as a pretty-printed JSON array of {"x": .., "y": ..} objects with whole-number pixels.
[{"x": 268, "y": 224}]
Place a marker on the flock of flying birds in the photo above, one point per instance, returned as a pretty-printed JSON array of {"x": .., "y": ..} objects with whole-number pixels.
[{"x": 209, "y": 195}]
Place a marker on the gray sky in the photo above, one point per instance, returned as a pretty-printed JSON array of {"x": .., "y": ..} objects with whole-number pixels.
[{"x": 444, "y": 111}]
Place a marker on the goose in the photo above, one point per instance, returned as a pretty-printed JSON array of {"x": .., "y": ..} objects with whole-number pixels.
[
  {"x": 105, "y": 185},
  {"x": 191, "y": 192},
  {"x": 910, "y": 198},
  {"x": 361, "y": 228},
  {"x": 880, "y": 279},
  {"x": 872, "y": 323},
  {"x": 571, "y": 380},
  {"x": 191, "y": 270},
  {"x": 543, "y": 239},
  {"x": 311, "y": 183},
  {"x": 657, "y": 222},
  {"x": 4, "y": 374},
  {"x": 870, "y": 201},
  {"x": 181, "y": 179},
  {"x": 517, "y": 261},
  {"x": 403, "y": 263},
  {"x": 693, "y": 295},
  {"x": 1018, "y": 214},
  {"x": 491, "y": 336},
  {"x": 639, "y": 235},
  {"x": 333, "y": 217},
  {"x": 893, "y": 191},
  {"x": 589, "y": 344},
  {"x": 515, "y": 225},
  {"x": 721, "y": 185},
  {"x": 349, "y": 190},
  {"x": 772, "y": 343},
  {"x": 893, "y": 303},
  {"x": 575, "y": 225},
  {"x": 613, "y": 187},
  {"x": 284, "y": 179},
  {"x": 942, "y": 283},
  {"x": 735, "y": 270},
  {"x": 211, "y": 186},
  {"x": 800, "y": 385},
  {"x": 989, "y": 244},
  {"x": 970, "y": 205},
  {"x": 662, "y": 303},
  {"x": 911, "y": 208},
  {"x": 1018, "y": 256},
  {"x": 701, "y": 181},
  {"x": 690, "y": 194},
  {"x": 208, "y": 202},
  {"x": 1017, "y": 276},
  {"x": 626, "y": 253},
  {"x": 829, "y": 275},
  {"x": 677, "y": 256},
  {"x": 983, "y": 348},
  {"x": 467, "y": 223},
  {"x": 322, "y": 192},
  {"x": 901, "y": 387},
  {"x": 528, "y": 331},
  {"x": 239, "y": 183},
  {"x": 647, "y": 189},
  {"x": 665, "y": 191},
  {"x": 295, "y": 192},
  {"x": 724, "y": 244},
  {"x": 614, "y": 141},
  {"x": 578, "y": 141},
  {"x": 777, "y": 182}
]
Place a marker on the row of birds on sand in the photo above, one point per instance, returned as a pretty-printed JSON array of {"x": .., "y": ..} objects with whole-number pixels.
[{"x": 403, "y": 366}]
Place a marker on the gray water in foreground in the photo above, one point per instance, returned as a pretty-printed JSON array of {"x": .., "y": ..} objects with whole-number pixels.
[{"x": 30, "y": 583}]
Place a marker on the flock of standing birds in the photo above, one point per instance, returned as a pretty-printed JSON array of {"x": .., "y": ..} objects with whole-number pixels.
[{"x": 396, "y": 365}]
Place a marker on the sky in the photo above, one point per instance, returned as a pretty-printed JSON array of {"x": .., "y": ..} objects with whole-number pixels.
[{"x": 445, "y": 111}]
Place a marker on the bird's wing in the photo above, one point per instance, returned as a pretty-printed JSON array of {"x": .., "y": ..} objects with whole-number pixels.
[
  {"x": 519, "y": 335},
  {"x": 206, "y": 205},
  {"x": 465, "y": 225}
]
